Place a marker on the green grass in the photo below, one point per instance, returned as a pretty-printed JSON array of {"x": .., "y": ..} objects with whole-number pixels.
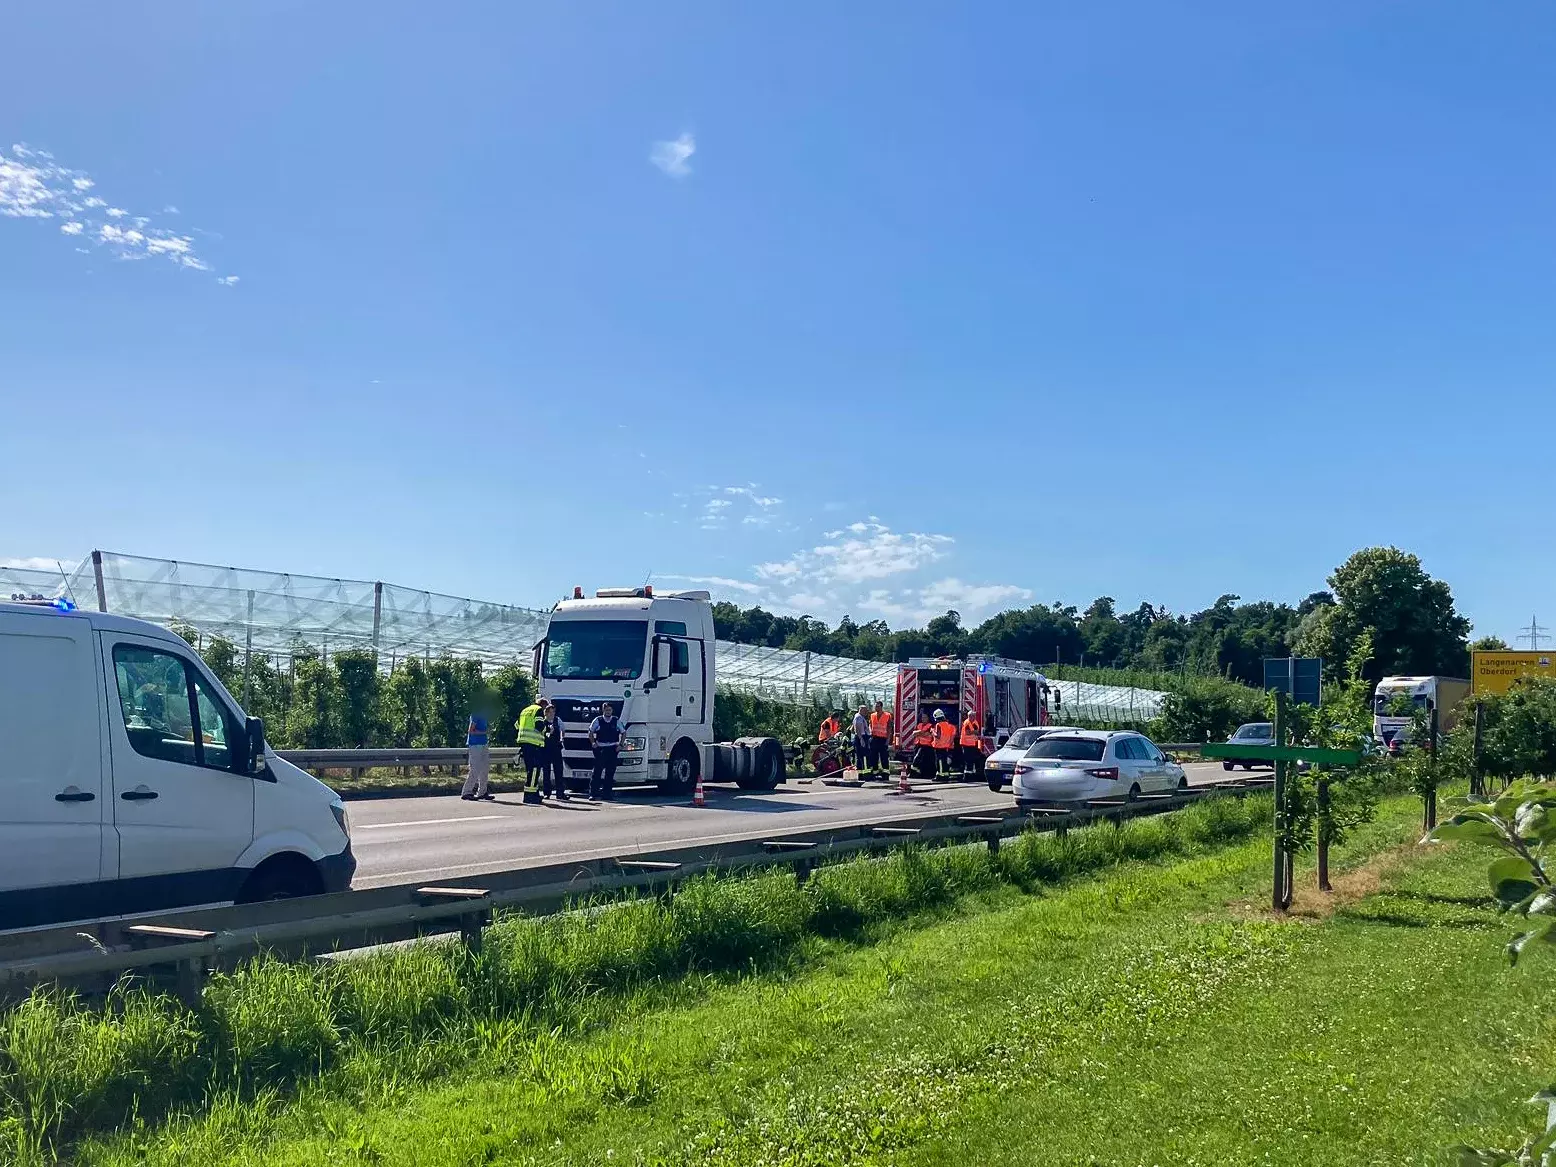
[
  {"x": 1148, "y": 1015},
  {"x": 1152, "y": 1015},
  {"x": 405, "y": 1016}
]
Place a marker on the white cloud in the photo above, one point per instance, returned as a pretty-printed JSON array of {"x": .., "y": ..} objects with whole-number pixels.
[
  {"x": 228, "y": 281},
  {"x": 671, "y": 156},
  {"x": 916, "y": 607},
  {"x": 716, "y": 504},
  {"x": 719, "y": 581},
  {"x": 875, "y": 552},
  {"x": 170, "y": 209},
  {"x": 36, "y": 563},
  {"x": 34, "y": 186}
]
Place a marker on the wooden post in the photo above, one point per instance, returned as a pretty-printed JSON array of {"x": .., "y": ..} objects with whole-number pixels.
[
  {"x": 1477, "y": 776},
  {"x": 1280, "y": 897},
  {"x": 1323, "y": 834}
]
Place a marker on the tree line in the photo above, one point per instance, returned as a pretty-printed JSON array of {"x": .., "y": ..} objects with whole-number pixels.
[{"x": 1381, "y": 591}]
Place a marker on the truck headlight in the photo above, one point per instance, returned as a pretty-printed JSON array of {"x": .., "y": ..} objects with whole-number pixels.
[{"x": 633, "y": 745}]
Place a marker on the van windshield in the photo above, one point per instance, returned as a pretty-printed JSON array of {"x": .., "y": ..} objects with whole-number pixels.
[
  {"x": 1069, "y": 749},
  {"x": 596, "y": 649}
]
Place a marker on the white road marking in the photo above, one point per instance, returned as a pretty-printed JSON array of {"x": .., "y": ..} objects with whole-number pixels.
[{"x": 472, "y": 818}]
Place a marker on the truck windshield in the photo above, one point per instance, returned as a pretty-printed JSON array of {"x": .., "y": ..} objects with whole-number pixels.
[
  {"x": 596, "y": 649},
  {"x": 1398, "y": 703}
]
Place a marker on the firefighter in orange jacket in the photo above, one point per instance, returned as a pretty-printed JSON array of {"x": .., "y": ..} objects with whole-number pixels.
[
  {"x": 829, "y": 729},
  {"x": 924, "y": 749},
  {"x": 945, "y": 742},
  {"x": 880, "y": 735},
  {"x": 972, "y": 746}
]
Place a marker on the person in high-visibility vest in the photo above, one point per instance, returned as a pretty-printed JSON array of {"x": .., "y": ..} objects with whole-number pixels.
[
  {"x": 972, "y": 746},
  {"x": 880, "y": 735},
  {"x": 924, "y": 748},
  {"x": 532, "y": 743},
  {"x": 945, "y": 742},
  {"x": 829, "y": 729}
]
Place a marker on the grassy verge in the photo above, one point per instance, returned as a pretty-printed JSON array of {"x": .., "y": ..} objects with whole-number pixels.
[
  {"x": 1152, "y": 1016},
  {"x": 347, "y": 1029}
]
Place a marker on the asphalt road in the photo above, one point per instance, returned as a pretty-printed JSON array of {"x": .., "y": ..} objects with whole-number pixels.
[{"x": 401, "y": 840}]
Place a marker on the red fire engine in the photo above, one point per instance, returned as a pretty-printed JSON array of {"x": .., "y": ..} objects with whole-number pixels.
[{"x": 1003, "y": 694}]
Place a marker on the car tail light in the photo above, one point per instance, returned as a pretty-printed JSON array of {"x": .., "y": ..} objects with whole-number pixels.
[
  {"x": 1110, "y": 773},
  {"x": 1020, "y": 769}
]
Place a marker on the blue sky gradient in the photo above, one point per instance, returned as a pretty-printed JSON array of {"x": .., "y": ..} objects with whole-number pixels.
[{"x": 952, "y": 306}]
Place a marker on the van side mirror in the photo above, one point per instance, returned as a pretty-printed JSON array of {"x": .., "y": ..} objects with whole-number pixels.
[{"x": 253, "y": 759}]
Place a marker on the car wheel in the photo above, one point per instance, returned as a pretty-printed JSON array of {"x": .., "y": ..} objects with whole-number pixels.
[
  {"x": 1183, "y": 781},
  {"x": 1247, "y": 765},
  {"x": 1228, "y": 765},
  {"x": 996, "y": 785},
  {"x": 1134, "y": 793}
]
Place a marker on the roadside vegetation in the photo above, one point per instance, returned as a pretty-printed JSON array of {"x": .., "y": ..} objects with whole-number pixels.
[
  {"x": 71, "y": 1070},
  {"x": 1152, "y": 1013}
]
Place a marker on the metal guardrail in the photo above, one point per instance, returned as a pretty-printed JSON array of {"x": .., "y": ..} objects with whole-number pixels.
[
  {"x": 450, "y": 757},
  {"x": 189, "y": 942}
]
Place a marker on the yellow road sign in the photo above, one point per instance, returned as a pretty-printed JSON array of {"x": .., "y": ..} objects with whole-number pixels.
[{"x": 1493, "y": 672}]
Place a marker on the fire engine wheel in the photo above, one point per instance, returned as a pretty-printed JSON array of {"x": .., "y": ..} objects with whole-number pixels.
[{"x": 681, "y": 770}]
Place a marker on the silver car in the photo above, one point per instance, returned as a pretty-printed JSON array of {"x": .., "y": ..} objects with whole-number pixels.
[
  {"x": 1088, "y": 763},
  {"x": 1000, "y": 766}
]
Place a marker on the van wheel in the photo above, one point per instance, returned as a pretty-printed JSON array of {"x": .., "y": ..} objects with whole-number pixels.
[
  {"x": 681, "y": 771},
  {"x": 1228, "y": 765},
  {"x": 281, "y": 877},
  {"x": 996, "y": 785}
]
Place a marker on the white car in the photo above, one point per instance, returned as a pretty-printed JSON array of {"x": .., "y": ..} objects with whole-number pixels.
[
  {"x": 1000, "y": 766},
  {"x": 133, "y": 781},
  {"x": 1087, "y": 763}
]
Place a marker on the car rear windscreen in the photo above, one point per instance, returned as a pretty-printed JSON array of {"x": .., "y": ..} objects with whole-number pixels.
[{"x": 1068, "y": 749}]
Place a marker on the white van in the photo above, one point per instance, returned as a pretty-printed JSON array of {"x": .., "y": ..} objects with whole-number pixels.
[{"x": 131, "y": 781}]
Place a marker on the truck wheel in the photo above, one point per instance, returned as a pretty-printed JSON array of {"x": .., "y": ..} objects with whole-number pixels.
[
  {"x": 681, "y": 772},
  {"x": 767, "y": 767}
]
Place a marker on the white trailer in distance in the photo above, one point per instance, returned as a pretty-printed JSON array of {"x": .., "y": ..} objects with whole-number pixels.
[{"x": 653, "y": 658}]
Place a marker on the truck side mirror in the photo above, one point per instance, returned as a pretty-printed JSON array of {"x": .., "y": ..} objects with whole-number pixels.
[{"x": 656, "y": 664}]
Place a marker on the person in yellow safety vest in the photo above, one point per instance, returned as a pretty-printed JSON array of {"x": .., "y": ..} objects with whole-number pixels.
[
  {"x": 532, "y": 744},
  {"x": 880, "y": 735},
  {"x": 829, "y": 729},
  {"x": 972, "y": 746},
  {"x": 924, "y": 748},
  {"x": 945, "y": 742}
]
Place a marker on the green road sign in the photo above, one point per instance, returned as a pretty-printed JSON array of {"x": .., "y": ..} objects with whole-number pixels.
[{"x": 1313, "y": 755}]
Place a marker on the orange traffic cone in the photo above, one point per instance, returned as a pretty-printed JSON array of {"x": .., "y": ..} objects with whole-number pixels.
[
  {"x": 698, "y": 799},
  {"x": 902, "y": 783}
]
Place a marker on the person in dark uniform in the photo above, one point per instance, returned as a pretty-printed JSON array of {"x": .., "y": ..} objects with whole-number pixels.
[
  {"x": 605, "y": 740},
  {"x": 551, "y": 779}
]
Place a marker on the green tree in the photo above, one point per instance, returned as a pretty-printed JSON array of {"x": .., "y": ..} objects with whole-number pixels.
[
  {"x": 221, "y": 655},
  {"x": 313, "y": 721},
  {"x": 408, "y": 705},
  {"x": 361, "y": 716},
  {"x": 1414, "y": 625},
  {"x": 453, "y": 682},
  {"x": 1489, "y": 644},
  {"x": 514, "y": 689}
]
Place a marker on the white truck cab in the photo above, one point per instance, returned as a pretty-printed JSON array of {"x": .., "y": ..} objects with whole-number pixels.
[
  {"x": 133, "y": 781},
  {"x": 1396, "y": 700},
  {"x": 653, "y": 658}
]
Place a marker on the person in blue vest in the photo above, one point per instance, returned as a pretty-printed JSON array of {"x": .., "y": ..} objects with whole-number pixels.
[
  {"x": 605, "y": 741},
  {"x": 477, "y": 743}
]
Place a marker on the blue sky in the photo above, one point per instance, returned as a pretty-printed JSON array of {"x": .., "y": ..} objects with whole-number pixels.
[{"x": 870, "y": 308}]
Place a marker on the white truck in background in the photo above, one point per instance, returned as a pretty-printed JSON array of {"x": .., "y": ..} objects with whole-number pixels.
[
  {"x": 1391, "y": 722},
  {"x": 652, "y": 657}
]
